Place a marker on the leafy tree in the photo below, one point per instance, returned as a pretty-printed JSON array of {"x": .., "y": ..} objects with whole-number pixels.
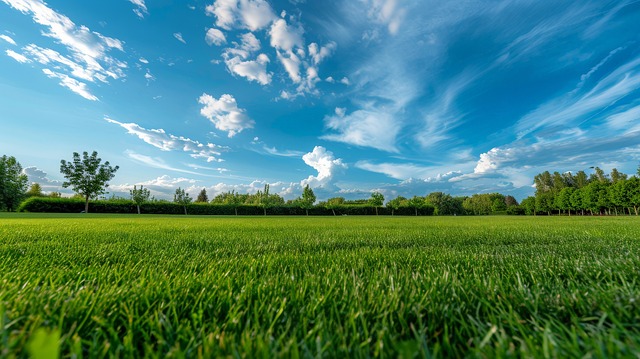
[
  {"x": 308, "y": 199},
  {"x": 202, "y": 197},
  {"x": 333, "y": 203},
  {"x": 510, "y": 201},
  {"x": 87, "y": 176},
  {"x": 396, "y": 203},
  {"x": 443, "y": 203},
  {"x": 55, "y": 195},
  {"x": 529, "y": 205},
  {"x": 632, "y": 188},
  {"x": 498, "y": 205},
  {"x": 563, "y": 199},
  {"x": 182, "y": 197},
  {"x": 139, "y": 196},
  {"x": 376, "y": 200},
  {"x": 35, "y": 190},
  {"x": 416, "y": 203},
  {"x": 13, "y": 183}
]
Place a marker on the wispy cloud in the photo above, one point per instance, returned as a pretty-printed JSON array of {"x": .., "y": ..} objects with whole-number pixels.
[
  {"x": 141, "y": 8},
  {"x": 178, "y": 37},
  {"x": 16, "y": 56},
  {"x": 88, "y": 57},
  {"x": 8, "y": 39},
  {"x": 168, "y": 142},
  {"x": 72, "y": 84}
]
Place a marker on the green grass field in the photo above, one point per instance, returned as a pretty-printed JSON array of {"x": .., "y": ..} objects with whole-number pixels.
[{"x": 120, "y": 286}]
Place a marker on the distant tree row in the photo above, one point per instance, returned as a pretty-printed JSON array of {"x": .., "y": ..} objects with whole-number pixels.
[
  {"x": 559, "y": 193},
  {"x": 596, "y": 194}
]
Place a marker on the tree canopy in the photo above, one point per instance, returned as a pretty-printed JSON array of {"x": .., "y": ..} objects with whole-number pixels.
[
  {"x": 13, "y": 183},
  {"x": 87, "y": 176}
]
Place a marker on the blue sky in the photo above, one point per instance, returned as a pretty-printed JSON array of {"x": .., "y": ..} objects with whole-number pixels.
[{"x": 402, "y": 97}]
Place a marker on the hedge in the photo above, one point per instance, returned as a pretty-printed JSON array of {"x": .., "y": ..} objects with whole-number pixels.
[{"x": 70, "y": 205}]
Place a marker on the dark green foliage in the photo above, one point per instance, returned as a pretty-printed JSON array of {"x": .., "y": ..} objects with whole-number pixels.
[
  {"x": 88, "y": 177},
  {"x": 139, "y": 196},
  {"x": 71, "y": 205},
  {"x": 13, "y": 183},
  {"x": 202, "y": 197}
]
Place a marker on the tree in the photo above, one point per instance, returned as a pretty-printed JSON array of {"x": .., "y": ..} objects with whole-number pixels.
[
  {"x": 202, "y": 197},
  {"x": 416, "y": 202},
  {"x": 35, "y": 190},
  {"x": 182, "y": 197},
  {"x": 308, "y": 199},
  {"x": 376, "y": 200},
  {"x": 333, "y": 203},
  {"x": 139, "y": 196},
  {"x": 87, "y": 176},
  {"x": 13, "y": 183},
  {"x": 396, "y": 203}
]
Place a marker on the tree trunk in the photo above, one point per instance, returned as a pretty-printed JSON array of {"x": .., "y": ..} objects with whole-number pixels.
[
  {"x": 307, "y": 211},
  {"x": 265, "y": 210},
  {"x": 236, "y": 209},
  {"x": 185, "y": 210},
  {"x": 569, "y": 212},
  {"x": 416, "y": 211},
  {"x": 616, "y": 208},
  {"x": 334, "y": 211},
  {"x": 86, "y": 204},
  {"x": 392, "y": 211},
  {"x": 138, "y": 208},
  {"x": 635, "y": 208},
  {"x": 376, "y": 210}
]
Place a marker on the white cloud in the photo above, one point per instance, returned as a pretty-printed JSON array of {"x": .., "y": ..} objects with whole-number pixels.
[
  {"x": 370, "y": 127},
  {"x": 149, "y": 76},
  {"x": 325, "y": 163},
  {"x": 141, "y": 8},
  {"x": 143, "y": 60},
  {"x": 178, "y": 37},
  {"x": 225, "y": 114},
  {"x": 246, "y": 14},
  {"x": 215, "y": 37},
  {"x": 16, "y": 56},
  {"x": 8, "y": 39},
  {"x": 318, "y": 53},
  {"x": 236, "y": 60},
  {"x": 285, "y": 37},
  {"x": 387, "y": 12},
  {"x": 74, "y": 85},
  {"x": 406, "y": 171},
  {"x": 168, "y": 142},
  {"x": 36, "y": 175},
  {"x": 88, "y": 47},
  {"x": 345, "y": 81}
]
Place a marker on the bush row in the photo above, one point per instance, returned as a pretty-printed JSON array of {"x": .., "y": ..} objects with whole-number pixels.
[{"x": 69, "y": 205}]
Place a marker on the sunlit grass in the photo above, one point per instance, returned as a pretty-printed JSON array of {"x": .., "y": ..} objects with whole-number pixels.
[{"x": 346, "y": 286}]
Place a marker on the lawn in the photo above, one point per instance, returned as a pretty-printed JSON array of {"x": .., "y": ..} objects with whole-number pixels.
[{"x": 128, "y": 285}]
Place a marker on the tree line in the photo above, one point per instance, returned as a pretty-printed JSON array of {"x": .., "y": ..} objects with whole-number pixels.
[
  {"x": 556, "y": 193},
  {"x": 578, "y": 194}
]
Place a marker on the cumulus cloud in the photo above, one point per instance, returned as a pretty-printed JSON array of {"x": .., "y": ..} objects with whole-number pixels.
[
  {"x": 237, "y": 60},
  {"x": 72, "y": 84},
  {"x": 141, "y": 8},
  {"x": 8, "y": 39},
  {"x": 225, "y": 114},
  {"x": 325, "y": 163},
  {"x": 162, "y": 187},
  {"x": 215, "y": 37},
  {"x": 168, "y": 142},
  {"x": 285, "y": 37},
  {"x": 36, "y": 175},
  {"x": 178, "y": 37},
  {"x": 18, "y": 57},
  {"x": 245, "y": 14}
]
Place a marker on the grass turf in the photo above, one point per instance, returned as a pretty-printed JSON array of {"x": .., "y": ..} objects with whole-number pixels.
[{"x": 126, "y": 285}]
